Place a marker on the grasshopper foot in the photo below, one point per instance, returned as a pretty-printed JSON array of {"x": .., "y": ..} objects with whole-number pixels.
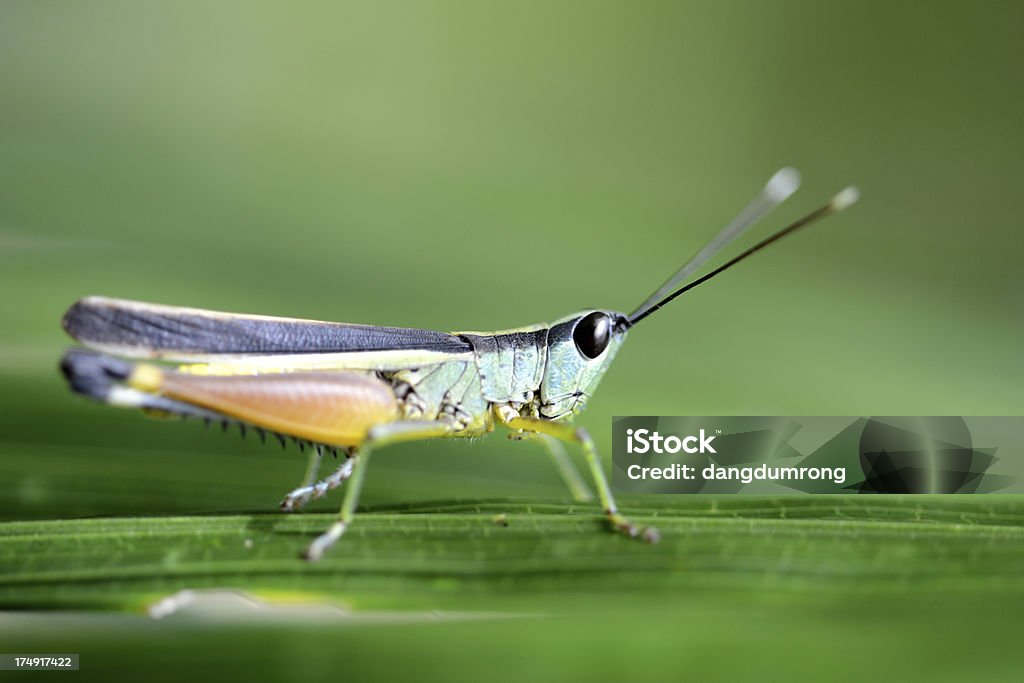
[
  {"x": 626, "y": 527},
  {"x": 302, "y": 495},
  {"x": 650, "y": 535},
  {"x": 297, "y": 499},
  {"x": 324, "y": 541}
]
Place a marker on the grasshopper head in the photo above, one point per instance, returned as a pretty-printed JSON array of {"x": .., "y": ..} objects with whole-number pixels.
[{"x": 580, "y": 349}]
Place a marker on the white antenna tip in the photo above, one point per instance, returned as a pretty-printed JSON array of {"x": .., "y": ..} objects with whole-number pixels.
[
  {"x": 845, "y": 198},
  {"x": 780, "y": 186}
]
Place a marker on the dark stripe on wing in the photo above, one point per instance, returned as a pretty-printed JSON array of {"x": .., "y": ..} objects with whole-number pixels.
[{"x": 98, "y": 320}]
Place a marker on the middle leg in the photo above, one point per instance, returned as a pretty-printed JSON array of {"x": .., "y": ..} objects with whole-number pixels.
[{"x": 382, "y": 435}]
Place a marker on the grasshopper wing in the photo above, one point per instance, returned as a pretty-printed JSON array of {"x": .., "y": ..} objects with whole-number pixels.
[{"x": 141, "y": 330}]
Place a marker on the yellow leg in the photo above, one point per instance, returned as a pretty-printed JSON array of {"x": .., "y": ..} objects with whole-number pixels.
[{"x": 568, "y": 433}]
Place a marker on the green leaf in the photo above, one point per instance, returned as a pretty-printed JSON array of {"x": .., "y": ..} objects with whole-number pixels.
[
  {"x": 800, "y": 584},
  {"x": 455, "y": 551}
]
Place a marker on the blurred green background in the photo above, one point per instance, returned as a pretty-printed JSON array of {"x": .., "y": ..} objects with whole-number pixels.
[{"x": 469, "y": 165}]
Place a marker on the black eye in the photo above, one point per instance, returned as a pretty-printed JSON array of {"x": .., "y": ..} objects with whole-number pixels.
[{"x": 592, "y": 334}]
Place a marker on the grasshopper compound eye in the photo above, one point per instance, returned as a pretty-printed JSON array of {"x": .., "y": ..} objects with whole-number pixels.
[{"x": 592, "y": 334}]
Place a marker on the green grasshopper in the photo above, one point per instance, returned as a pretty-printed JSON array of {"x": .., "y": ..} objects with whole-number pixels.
[{"x": 358, "y": 387}]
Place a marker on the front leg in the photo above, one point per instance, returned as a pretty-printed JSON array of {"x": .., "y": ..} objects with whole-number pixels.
[
  {"x": 581, "y": 493},
  {"x": 508, "y": 416}
]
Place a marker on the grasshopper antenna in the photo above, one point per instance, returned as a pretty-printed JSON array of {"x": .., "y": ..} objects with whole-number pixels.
[
  {"x": 839, "y": 202},
  {"x": 779, "y": 187}
]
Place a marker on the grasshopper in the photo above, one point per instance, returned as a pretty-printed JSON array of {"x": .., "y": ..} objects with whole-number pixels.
[{"x": 356, "y": 388}]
